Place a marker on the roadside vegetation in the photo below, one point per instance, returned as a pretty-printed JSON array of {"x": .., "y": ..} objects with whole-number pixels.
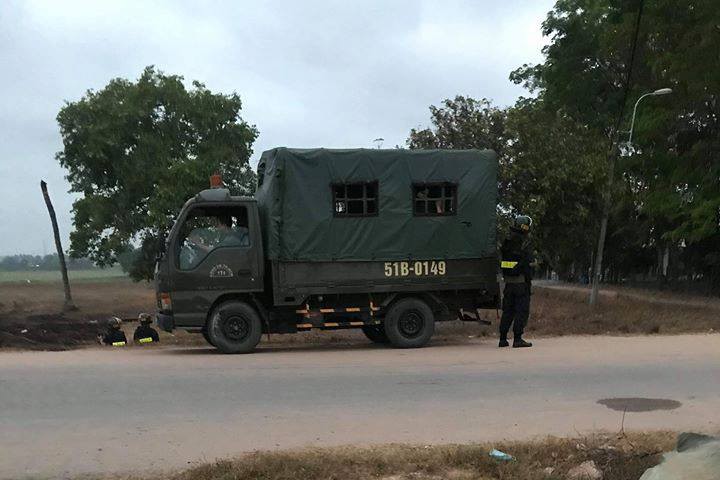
[
  {"x": 53, "y": 276},
  {"x": 618, "y": 457},
  {"x": 567, "y": 312}
]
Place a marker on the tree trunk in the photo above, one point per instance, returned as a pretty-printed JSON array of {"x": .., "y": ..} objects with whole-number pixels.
[
  {"x": 660, "y": 267},
  {"x": 69, "y": 305},
  {"x": 607, "y": 204}
]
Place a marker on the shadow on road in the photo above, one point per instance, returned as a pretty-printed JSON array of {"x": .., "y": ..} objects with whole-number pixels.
[{"x": 267, "y": 348}]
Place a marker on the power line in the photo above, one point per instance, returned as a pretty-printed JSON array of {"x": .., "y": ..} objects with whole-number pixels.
[
  {"x": 630, "y": 65},
  {"x": 612, "y": 158}
]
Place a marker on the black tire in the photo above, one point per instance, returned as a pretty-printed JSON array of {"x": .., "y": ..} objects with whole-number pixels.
[
  {"x": 234, "y": 327},
  {"x": 206, "y": 336},
  {"x": 409, "y": 323},
  {"x": 375, "y": 333}
]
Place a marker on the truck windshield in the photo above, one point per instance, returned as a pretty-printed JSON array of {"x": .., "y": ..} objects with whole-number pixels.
[{"x": 208, "y": 228}]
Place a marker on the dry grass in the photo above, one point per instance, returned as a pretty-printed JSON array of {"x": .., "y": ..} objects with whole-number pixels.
[
  {"x": 557, "y": 312},
  {"x": 37, "y": 308},
  {"x": 620, "y": 458},
  {"x": 31, "y": 314},
  {"x": 94, "y": 298}
]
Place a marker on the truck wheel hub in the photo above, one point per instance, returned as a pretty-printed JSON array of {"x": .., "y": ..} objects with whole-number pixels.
[
  {"x": 411, "y": 324},
  {"x": 236, "y": 327}
]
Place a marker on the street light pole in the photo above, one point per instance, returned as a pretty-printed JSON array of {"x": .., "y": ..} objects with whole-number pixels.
[
  {"x": 607, "y": 200},
  {"x": 662, "y": 91}
]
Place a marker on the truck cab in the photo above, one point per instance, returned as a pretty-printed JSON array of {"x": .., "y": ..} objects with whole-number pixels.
[{"x": 214, "y": 249}]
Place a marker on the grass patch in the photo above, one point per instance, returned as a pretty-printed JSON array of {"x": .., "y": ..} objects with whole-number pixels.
[
  {"x": 53, "y": 276},
  {"x": 619, "y": 458},
  {"x": 558, "y": 312}
]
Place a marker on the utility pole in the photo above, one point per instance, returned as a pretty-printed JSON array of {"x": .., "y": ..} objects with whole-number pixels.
[{"x": 69, "y": 304}]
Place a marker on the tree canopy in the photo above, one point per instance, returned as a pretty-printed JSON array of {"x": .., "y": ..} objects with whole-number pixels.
[
  {"x": 554, "y": 147},
  {"x": 136, "y": 151}
]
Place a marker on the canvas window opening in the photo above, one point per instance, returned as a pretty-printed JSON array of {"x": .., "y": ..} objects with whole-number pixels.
[
  {"x": 434, "y": 199},
  {"x": 358, "y": 199}
]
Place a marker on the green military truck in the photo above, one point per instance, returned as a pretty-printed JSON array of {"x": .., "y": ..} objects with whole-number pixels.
[{"x": 388, "y": 241}]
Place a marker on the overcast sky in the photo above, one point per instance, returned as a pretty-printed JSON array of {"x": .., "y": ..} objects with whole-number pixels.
[{"x": 310, "y": 73}]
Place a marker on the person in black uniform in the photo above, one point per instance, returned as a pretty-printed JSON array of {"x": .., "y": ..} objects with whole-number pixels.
[
  {"x": 517, "y": 267},
  {"x": 144, "y": 333},
  {"x": 114, "y": 335}
]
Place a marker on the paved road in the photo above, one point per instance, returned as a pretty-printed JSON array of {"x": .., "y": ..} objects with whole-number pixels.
[{"x": 121, "y": 410}]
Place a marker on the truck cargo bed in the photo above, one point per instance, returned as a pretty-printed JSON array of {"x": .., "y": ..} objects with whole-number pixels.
[{"x": 294, "y": 281}]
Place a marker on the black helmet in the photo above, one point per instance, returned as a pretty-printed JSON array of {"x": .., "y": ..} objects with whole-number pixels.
[
  {"x": 522, "y": 224},
  {"x": 145, "y": 318},
  {"x": 115, "y": 323}
]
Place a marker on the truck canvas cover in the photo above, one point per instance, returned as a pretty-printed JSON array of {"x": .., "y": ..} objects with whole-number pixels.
[{"x": 295, "y": 199}]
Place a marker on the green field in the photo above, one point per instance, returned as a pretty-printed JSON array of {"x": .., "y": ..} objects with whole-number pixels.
[{"x": 54, "y": 276}]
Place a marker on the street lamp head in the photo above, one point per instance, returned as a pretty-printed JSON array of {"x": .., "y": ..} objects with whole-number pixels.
[{"x": 662, "y": 91}]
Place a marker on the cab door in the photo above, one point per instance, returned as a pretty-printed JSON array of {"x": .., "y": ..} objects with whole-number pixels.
[{"x": 216, "y": 250}]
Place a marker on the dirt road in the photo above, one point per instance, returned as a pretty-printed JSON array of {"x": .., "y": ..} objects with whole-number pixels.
[{"x": 121, "y": 410}]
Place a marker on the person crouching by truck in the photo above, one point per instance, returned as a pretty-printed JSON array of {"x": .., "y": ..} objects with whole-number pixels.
[
  {"x": 144, "y": 333},
  {"x": 114, "y": 335},
  {"x": 517, "y": 268}
]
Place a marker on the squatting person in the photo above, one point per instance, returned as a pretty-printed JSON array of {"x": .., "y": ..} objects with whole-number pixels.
[
  {"x": 517, "y": 268},
  {"x": 114, "y": 335},
  {"x": 144, "y": 333}
]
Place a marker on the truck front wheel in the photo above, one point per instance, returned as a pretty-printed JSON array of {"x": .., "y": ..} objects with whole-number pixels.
[
  {"x": 234, "y": 327},
  {"x": 409, "y": 323}
]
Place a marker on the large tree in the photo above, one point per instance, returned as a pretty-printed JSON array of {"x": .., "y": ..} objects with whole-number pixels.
[
  {"x": 680, "y": 166},
  {"x": 667, "y": 197},
  {"x": 136, "y": 151},
  {"x": 550, "y": 170},
  {"x": 554, "y": 149},
  {"x": 546, "y": 168},
  {"x": 462, "y": 122}
]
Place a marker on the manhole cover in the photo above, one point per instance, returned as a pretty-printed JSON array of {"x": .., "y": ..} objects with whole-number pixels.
[{"x": 635, "y": 404}]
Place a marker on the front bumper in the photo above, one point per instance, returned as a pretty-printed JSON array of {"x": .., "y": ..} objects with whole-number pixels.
[{"x": 165, "y": 321}]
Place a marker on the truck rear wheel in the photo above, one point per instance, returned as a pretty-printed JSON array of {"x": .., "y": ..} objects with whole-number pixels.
[
  {"x": 409, "y": 323},
  {"x": 234, "y": 327},
  {"x": 375, "y": 333}
]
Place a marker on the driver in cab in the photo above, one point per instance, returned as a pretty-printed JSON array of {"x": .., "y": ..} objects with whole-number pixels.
[{"x": 220, "y": 233}]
